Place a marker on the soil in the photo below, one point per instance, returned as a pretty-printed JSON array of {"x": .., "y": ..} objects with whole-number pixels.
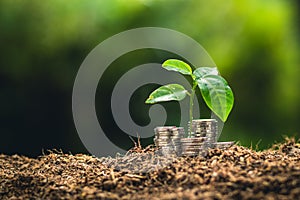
[{"x": 235, "y": 173}]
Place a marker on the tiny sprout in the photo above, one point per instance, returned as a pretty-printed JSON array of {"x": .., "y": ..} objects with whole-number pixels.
[{"x": 214, "y": 89}]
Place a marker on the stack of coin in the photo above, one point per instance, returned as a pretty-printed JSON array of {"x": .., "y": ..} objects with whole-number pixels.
[
  {"x": 193, "y": 146},
  {"x": 167, "y": 139},
  {"x": 205, "y": 128},
  {"x": 203, "y": 135}
]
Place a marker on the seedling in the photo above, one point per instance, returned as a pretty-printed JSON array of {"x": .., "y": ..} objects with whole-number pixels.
[{"x": 214, "y": 89}]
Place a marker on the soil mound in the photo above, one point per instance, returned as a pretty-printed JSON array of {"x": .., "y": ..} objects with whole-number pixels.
[{"x": 235, "y": 173}]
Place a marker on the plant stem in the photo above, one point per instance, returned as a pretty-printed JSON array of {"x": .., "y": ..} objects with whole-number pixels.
[{"x": 191, "y": 107}]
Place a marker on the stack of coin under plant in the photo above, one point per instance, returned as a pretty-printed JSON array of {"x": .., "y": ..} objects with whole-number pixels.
[
  {"x": 203, "y": 134},
  {"x": 193, "y": 146},
  {"x": 205, "y": 128},
  {"x": 167, "y": 139},
  {"x": 209, "y": 128}
]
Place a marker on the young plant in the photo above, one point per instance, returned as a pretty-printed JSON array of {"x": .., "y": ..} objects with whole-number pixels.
[{"x": 214, "y": 89}]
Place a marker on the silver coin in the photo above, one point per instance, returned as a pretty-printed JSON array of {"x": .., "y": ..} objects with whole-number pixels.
[
  {"x": 223, "y": 145},
  {"x": 204, "y": 124},
  {"x": 164, "y": 127},
  {"x": 193, "y": 140},
  {"x": 204, "y": 131},
  {"x": 161, "y": 130},
  {"x": 163, "y": 133},
  {"x": 196, "y": 128},
  {"x": 192, "y": 143},
  {"x": 204, "y": 135},
  {"x": 167, "y": 140},
  {"x": 204, "y": 127},
  {"x": 213, "y": 126},
  {"x": 204, "y": 120},
  {"x": 192, "y": 149}
]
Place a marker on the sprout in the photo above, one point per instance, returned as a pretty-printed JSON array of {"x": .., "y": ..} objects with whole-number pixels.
[{"x": 214, "y": 89}]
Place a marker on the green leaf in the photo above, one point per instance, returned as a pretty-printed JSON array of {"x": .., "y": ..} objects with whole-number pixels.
[
  {"x": 203, "y": 71},
  {"x": 217, "y": 95},
  {"x": 177, "y": 66},
  {"x": 167, "y": 93}
]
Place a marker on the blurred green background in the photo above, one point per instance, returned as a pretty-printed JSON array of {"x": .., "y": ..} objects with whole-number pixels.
[{"x": 254, "y": 43}]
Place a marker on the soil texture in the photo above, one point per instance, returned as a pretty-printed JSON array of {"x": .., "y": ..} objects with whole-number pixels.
[{"x": 235, "y": 173}]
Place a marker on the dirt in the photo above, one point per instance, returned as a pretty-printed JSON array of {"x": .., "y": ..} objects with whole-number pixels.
[{"x": 235, "y": 173}]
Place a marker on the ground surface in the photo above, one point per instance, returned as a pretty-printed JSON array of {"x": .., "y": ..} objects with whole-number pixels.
[{"x": 236, "y": 173}]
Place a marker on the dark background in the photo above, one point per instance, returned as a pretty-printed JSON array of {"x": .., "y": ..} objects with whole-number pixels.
[{"x": 255, "y": 45}]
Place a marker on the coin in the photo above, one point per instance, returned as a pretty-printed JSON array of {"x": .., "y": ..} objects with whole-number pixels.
[
  {"x": 223, "y": 145},
  {"x": 171, "y": 139},
  {"x": 168, "y": 137}
]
